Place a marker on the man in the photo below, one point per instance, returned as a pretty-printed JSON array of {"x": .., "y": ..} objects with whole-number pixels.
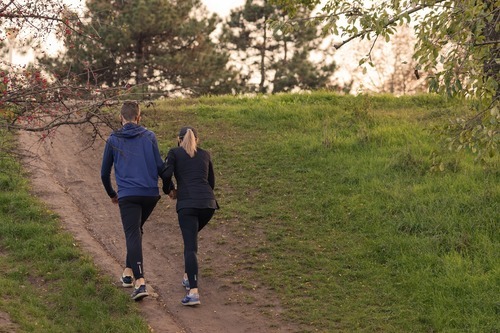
[{"x": 133, "y": 150}]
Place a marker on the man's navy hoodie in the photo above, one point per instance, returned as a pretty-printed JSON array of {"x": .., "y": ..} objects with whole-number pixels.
[{"x": 134, "y": 152}]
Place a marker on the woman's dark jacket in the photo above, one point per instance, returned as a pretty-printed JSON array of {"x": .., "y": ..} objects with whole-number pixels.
[{"x": 194, "y": 176}]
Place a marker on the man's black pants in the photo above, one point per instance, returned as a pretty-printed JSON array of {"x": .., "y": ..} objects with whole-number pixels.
[{"x": 134, "y": 211}]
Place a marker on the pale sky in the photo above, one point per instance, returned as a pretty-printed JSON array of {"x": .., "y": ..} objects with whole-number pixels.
[{"x": 222, "y": 7}]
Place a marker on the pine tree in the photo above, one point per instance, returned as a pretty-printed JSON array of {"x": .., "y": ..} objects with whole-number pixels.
[
  {"x": 280, "y": 62},
  {"x": 157, "y": 45}
]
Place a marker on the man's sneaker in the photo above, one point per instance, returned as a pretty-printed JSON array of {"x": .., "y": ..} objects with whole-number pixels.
[
  {"x": 126, "y": 281},
  {"x": 139, "y": 293},
  {"x": 191, "y": 299},
  {"x": 185, "y": 283}
]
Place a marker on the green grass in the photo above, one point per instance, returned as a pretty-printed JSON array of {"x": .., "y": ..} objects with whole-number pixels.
[
  {"x": 47, "y": 283},
  {"x": 360, "y": 234},
  {"x": 334, "y": 205}
]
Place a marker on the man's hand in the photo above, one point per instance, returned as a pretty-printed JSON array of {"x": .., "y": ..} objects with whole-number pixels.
[
  {"x": 114, "y": 199},
  {"x": 173, "y": 194}
]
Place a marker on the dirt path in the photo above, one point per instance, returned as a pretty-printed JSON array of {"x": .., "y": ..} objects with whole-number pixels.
[{"x": 67, "y": 178}]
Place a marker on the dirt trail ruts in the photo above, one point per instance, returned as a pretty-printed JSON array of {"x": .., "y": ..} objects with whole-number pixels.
[{"x": 66, "y": 176}]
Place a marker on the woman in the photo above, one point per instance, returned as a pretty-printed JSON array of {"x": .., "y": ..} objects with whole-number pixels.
[{"x": 196, "y": 204}]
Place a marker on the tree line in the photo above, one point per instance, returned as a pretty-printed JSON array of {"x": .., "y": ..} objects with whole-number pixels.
[{"x": 165, "y": 48}]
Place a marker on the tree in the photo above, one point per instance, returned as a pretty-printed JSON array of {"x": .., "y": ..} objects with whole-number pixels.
[
  {"x": 30, "y": 98},
  {"x": 281, "y": 62},
  {"x": 457, "y": 40},
  {"x": 158, "y": 45},
  {"x": 393, "y": 68}
]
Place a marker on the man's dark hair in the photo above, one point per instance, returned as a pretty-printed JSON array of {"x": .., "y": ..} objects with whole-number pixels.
[{"x": 130, "y": 110}]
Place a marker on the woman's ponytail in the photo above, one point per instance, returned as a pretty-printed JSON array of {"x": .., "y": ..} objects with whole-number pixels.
[{"x": 188, "y": 142}]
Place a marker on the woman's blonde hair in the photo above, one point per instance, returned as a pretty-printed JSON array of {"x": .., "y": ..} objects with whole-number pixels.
[{"x": 188, "y": 141}]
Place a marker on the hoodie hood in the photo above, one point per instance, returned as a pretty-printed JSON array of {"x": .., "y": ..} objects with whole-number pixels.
[{"x": 130, "y": 130}]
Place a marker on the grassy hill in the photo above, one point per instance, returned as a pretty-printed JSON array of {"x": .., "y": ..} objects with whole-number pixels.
[
  {"x": 369, "y": 224},
  {"x": 350, "y": 208}
]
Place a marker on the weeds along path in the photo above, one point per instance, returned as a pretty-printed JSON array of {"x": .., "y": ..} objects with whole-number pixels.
[{"x": 65, "y": 173}]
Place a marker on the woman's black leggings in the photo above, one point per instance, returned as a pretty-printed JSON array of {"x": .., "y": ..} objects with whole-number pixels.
[
  {"x": 191, "y": 221},
  {"x": 134, "y": 212}
]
